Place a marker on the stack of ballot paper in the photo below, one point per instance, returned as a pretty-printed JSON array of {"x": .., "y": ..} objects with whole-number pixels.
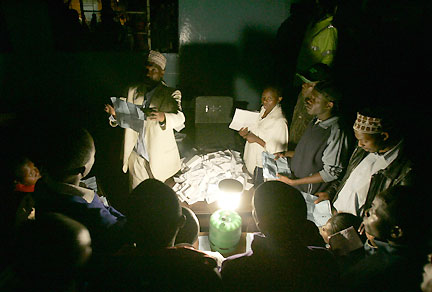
[
  {"x": 244, "y": 119},
  {"x": 272, "y": 167},
  {"x": 202, "y": 173}
]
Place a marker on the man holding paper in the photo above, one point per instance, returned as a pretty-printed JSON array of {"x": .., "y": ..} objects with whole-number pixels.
[
  {"x": 150, "y": 149},
  {"x": 323, "y": 151}
]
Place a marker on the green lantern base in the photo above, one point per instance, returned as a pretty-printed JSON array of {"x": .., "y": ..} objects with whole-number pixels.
[{"x": 224, "y": 231}]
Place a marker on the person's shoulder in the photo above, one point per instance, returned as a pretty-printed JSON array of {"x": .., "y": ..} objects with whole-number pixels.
[
  {"x": 169, "y": 90},
  {"x": 321, "y": 258},
  {"x": 178, "y": 263},
  {"x": 235, "y": 262},
  {"x": 188, "y": 258}
]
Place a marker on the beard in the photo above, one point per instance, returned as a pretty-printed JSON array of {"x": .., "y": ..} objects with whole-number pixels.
[{"x": 150, "y": 83}]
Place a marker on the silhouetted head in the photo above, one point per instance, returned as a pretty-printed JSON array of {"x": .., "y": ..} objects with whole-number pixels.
[
  {"x": 70, "y": 153},
  {"x": 279, "y": 210},
  {"x": 190, "y": 230},
  {"x": 52, "y": 250},
  {"x": 154, "y": 214}
]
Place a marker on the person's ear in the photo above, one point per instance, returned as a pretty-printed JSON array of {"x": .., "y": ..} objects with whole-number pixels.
[
  {"x": 81, "y": 170},
  {"x": 384, "y": 135},
  {"x": 280, "y": 99},
  {"x": 330, "y": 105},
  {"x": 181, "y": 221},
  {"x": 396, "y": 232}
]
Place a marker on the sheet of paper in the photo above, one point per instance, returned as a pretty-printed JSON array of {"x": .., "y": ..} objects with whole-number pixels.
[
  {"x": 90, "y": 183},
  {"x": 243, "y": 118},
  {"x": 271, "y": 166},
  {"x": 318, "y": 213},
  {"x": 128, "y": 115}
]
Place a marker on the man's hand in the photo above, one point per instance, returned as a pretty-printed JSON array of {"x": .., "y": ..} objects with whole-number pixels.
[
  {"x": 322, "y": 196},
  {"x": 109, "y": 109},
  {"x": 285, "y": 179},
  {"x": 157, "y": 116},
  {"x": 279, "y": 155},
  {"x": 283, "y": 154}
]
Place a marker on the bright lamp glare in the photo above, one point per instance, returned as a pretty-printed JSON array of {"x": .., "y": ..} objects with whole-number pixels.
[
  {"x": 230, "y": 191},
  {"x": 229, "y": 201}
]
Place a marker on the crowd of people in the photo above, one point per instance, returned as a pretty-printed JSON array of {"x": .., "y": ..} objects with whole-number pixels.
[{"x": 61, "y": 235}]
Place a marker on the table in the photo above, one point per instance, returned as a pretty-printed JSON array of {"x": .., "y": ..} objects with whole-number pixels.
[{"x": 204, "y": 211}]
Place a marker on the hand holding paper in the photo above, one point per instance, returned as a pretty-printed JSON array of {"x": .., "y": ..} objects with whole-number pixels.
[
  {"x": 109, "y": 109},
  {"x": 243, "y": 119}
]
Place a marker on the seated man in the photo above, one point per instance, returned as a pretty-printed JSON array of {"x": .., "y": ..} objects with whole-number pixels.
[
  {"x": 69, "y": 158},
  {"x": 280, "y": 259},
  {"x": 379, "y": 162},
  {"x": 152, "y": 263},
  {"x": 397, "y": 223},
  {"x": 322, "y": 152}
]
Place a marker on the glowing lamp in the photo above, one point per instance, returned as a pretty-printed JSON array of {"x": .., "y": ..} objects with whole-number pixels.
[
  {"x": 225, "y": 223},
  {"x": 230, "y": 191}
]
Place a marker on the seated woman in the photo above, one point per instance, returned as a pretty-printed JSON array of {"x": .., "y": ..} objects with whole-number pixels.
[{"x": 269, "y": 134}]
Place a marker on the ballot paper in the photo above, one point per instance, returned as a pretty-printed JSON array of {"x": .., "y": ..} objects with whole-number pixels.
[
  {"x": 243, "y": 118},
  {"x": 90, "y": 183},
  {"x": 128, "y": 115},
  {"x": 204, "y": 246},
  {"x": 318, "y": 213},
  {"x": 271, "y": 167},
  {"x": 345, "y": 241},
  {"x": 201, "y": 174}
]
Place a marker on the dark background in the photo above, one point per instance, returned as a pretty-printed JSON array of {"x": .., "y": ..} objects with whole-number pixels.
[{"x": 49, "y": 74}]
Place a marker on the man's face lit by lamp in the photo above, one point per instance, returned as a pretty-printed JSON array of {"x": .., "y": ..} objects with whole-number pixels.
[{"x": 225, "y": 223}]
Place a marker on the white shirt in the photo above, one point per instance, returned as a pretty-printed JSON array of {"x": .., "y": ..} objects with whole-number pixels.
[
  {"x": 353, "y": 194},
  {"x": 273, "y": 129}
]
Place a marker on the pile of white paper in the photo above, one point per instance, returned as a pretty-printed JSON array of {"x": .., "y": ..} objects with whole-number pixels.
[{"x": 202, "y": 173}]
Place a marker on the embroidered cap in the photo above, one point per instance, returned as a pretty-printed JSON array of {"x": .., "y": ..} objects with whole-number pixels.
[
  {"x": 367, "y": 125},
  {"x": 157, "y": 58}
]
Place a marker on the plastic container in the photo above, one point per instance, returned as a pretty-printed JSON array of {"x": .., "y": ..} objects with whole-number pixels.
[{"x": 224, "y": 231}]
